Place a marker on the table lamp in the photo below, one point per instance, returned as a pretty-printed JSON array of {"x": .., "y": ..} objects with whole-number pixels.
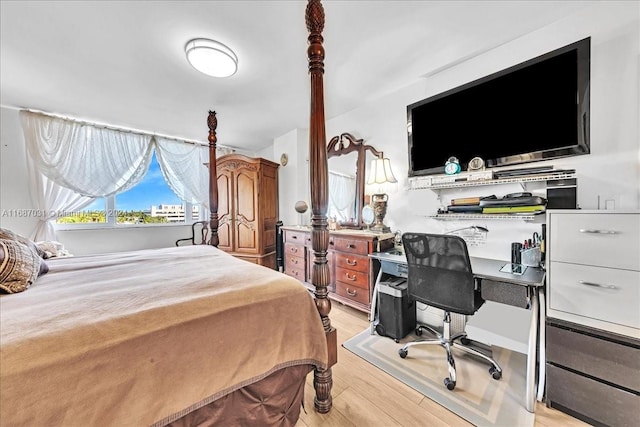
[{"x": 380, "y": 174}]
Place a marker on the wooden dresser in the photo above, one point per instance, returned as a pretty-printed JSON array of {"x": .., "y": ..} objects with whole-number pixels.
[
  {"x": 593, "y": 317},
  {"x": 352, "y": 272},
  {"x": 248, "y": 208}
]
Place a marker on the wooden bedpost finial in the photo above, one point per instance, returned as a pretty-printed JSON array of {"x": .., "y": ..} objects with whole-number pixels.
[{"x": 212, "y": 122}]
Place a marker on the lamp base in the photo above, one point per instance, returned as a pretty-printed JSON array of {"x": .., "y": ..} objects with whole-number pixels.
[{"x": 380, "y": 228}]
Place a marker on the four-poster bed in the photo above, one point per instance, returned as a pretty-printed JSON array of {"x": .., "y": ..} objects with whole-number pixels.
[{"x": 175, "y": 336}]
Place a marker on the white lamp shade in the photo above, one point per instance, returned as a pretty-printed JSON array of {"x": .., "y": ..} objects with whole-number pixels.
[
  {"x": 211, "y": 57},
  {"x": 380, "y": 172}
]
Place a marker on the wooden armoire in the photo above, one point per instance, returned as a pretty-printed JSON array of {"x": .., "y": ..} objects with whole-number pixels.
[{"x": 248, "y": 208}]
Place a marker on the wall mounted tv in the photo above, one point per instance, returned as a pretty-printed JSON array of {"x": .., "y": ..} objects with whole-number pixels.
[{"x": 536, "y": 110}]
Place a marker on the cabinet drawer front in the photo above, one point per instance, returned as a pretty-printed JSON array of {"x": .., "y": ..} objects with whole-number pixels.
[
  {"x": 295, "y": 237},
  {"x": 352, "y": 262},
  {"x": 606, "y": 240},
  {"x": 352, "y": 278},
  {"x": 354, "y": 293},
  {"x": 293, "y": 249},
  {"x": 295, "y": 272},
  {"x": 599, "y": 293},
  {"x": 351, "y": 246},
  {"x": 593, "y": 399},
  {"x": 294, "y": 262},
  {"x": 614, "y": 362}
]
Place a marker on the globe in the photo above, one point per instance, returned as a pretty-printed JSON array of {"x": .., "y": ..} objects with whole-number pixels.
[{"x": 301, "y": 206}]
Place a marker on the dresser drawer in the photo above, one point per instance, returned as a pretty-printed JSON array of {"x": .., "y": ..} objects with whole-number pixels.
[
  {"x": 298, "y": 237},
  {"x": 292, "y": 261},
  {"x": 606, "y": 240},
  {"x": 295, "y": 272},
  {"x": 293, "y": 249},
  {"x": 352, "y": 262},
  {"x": 598, "y": 401},
  {"x": 352, "y": 246},
  {"x": 353, "y": 292},
  {"x": 352, "y": 278},
  {"x": 599, "y": 293},
  {"x": 614, "y": 361}
]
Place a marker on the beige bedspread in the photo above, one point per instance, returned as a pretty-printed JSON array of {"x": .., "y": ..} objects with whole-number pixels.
[{"x": 142, "y": 337}]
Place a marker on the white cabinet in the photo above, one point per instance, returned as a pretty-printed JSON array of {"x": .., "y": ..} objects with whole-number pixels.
[{"x": 593, "y": 269}]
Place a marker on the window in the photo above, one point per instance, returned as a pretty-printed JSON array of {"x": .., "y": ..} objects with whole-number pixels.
[{"x": 151, "y": 201}]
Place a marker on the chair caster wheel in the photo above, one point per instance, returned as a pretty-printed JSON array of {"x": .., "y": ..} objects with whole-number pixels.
[
  {"x": 403, "y": 353},
  {"x": 465, "y": 341},
  {"x": 495, "y": 374},
  {"x": 449, "y": 384},
  {"x": 418, "y": 331}
]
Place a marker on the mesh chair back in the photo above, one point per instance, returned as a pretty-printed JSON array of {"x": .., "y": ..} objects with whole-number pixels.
[{"x": 440, "y": 272}]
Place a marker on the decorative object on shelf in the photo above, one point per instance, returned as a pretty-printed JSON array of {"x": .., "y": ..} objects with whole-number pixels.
[
  {"x": 380, "y": 174},
  {"x": 452, "y": 166},
  {"x": 368, "y": 215},
  {"x": 301, "y": 207},
  {"x": 284, "y": 159},
  {"x": 211, "y": 58},
  {"x": 476, "y": 164}
]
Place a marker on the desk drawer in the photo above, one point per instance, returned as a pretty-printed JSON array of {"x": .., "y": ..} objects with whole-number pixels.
[
  {"x": 618, "y": 304},
  {"x": 615, "y": 361},
  {"x": 598, "y": 401},
  {"x": 355, "y": 293},
  {"x": 352, "y": 262},
  {"x": 606, "y": 240},
  {"x": 352, "y": 246},
  {"x": 352, "y": 278}
]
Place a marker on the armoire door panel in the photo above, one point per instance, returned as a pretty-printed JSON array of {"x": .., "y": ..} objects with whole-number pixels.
[
  {"x": 246, "y": 238},
  {"x": 246, "y": 195}
]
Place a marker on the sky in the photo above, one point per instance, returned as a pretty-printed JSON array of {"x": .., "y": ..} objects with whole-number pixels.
[{"x": 152, "y": 190}]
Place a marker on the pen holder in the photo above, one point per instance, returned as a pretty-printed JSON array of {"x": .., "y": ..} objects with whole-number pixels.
[{"x": 531, "y": 257}]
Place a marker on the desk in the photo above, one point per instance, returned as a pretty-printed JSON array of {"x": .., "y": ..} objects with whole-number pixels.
[{"x": 530, "y": 284}]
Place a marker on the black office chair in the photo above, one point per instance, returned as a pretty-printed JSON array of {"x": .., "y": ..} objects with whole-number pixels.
[{"x": 440, "y": 276}]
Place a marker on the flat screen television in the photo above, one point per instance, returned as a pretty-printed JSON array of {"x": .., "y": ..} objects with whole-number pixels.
[{"x": 536, "y": 110}]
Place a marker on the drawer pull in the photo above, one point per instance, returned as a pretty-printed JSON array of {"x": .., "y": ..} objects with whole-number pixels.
[
  {"x": 584, "y": 230},
  {"x": 597, "y": 285},
  {"x": 351, "y": 246},
  {"x": 294, "y": 261},
  {"x": 294, "y": 250},
  {"x": 352, "y": 278},
  {"x": 294, "y": 237},
  {"x": 352, "y": 293},
  {"x": 350, "y": 262}
]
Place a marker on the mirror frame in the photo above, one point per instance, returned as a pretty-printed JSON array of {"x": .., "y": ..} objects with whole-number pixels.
[{"x": 346, "y": 143}]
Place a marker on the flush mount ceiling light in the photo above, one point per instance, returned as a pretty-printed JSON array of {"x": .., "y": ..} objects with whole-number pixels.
[{"x": 211, "y": 57}]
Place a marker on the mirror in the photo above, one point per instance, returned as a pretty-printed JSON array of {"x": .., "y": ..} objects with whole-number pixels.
[{"x": 347, "y": 159}]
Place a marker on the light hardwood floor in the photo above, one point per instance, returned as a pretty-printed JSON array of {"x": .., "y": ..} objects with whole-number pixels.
[{"x": 366, "y": 396}]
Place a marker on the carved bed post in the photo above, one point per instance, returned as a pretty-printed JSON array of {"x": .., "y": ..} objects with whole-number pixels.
[
  {"x": 212, "y": 122},
  {"x": 319, "y": 175}
]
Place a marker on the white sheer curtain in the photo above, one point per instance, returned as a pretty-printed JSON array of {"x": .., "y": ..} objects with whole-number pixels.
[
  {"x": 51, "y": 201},
  {"x": 90, "y": 160},
  {"x": 342, "y": 196},
  {"x": 183, "y": 167}
]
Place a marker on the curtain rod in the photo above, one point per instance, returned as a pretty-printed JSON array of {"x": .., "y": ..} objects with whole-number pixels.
[{"x": 123, "y": 129}]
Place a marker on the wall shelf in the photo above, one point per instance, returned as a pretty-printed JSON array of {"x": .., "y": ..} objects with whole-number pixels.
[
  {"x": 416, "y": 183},
  {"x": 463, "y": 216}
]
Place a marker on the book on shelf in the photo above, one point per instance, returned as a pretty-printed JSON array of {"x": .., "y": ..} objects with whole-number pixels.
[
  {"x": 464, "y": 201},
  {"x": 514, "y": 209}
]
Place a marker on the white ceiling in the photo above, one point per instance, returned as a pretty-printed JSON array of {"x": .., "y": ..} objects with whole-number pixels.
[{"x": 122, "y": 62}]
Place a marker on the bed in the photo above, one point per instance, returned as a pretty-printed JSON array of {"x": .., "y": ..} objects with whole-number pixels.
[{"x": 177, "y": 336}]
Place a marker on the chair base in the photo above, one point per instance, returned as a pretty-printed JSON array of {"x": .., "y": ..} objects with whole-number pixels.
[{"x": 449, "y": 342}]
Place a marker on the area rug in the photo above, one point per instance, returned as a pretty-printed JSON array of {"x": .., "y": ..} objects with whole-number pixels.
[{"x": 477, "y": 397}]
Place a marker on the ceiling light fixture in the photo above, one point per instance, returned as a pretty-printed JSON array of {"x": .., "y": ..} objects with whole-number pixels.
[{"x": 211, "y": 57}]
